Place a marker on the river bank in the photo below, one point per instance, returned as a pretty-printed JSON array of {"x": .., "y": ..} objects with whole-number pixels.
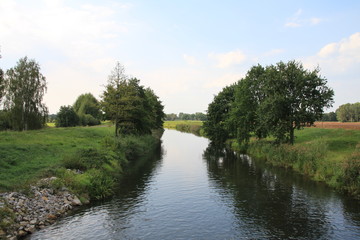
[
  {"x": 330, "y": 155},
  {"x": 83, "y": 163}
]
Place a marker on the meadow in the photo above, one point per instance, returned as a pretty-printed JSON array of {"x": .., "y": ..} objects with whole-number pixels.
[{"x": 27, "y": 156}]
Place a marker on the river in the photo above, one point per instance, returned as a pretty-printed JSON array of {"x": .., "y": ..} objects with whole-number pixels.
[{"x": 192, "y": 191}]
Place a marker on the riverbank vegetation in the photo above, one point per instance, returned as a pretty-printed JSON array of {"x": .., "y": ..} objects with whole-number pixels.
[
  {"x": 87, "y": 160},
  {"x": 264, "y": 113},
  {"x": 188, "y": 126}
]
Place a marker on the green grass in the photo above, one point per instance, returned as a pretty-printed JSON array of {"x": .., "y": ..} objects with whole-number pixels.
[
  {"x": 173, "y": 124},
  {"x": 27, "y": 156},
  {"x": 328, "y": 155}
]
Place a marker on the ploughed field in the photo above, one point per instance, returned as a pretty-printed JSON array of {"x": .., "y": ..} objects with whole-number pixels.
[{"x": 343, "y": 125}]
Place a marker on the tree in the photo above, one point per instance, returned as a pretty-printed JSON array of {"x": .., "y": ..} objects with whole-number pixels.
[
  {"x": 133, "y": 109},
  {"x": 217, "y": 115},
  {"x": 156, "y": 109},
  {"x": 294, "y": 98},
  {"x": 67, "y": 117},
  {"x": 245, "y": 117},
  {"x": 87, "y": 108},
  {"x": 349, "y": 112},
  {"x": 329, "y": 117},
  {"x": 111, "y": 96},
  {"x": 2, "y": 84},
  {"x": 25, "y": 89}
]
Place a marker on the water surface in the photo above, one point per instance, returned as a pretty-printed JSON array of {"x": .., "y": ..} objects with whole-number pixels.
[{"x": 193, "y": 191}]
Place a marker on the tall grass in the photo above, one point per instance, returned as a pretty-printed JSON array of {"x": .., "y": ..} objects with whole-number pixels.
[
  {"x": 194, "y": 127},
  {"x": 329, "y": 155}
]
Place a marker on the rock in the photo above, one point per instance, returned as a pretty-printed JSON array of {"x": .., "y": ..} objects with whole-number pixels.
[
  {"x": 31, "y": 229},
  {"x": 76, "y": 201},
  {"x": 51, "y": 217},
  {"x": 33, "y": 222},
  {"x": 22, "y": 233}
]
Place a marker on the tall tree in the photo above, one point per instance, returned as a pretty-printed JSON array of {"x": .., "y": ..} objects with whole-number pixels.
[
  {"x": 215, "y": 126},
  {"x": 112, "y": 94},
  {"x": 156, "y": 109},
  {"x": 25, "y": 89},
  {"x": 295, "y": 97},
  {"x": 244, "y": 115},
  {"x": 133, "y": 109}
]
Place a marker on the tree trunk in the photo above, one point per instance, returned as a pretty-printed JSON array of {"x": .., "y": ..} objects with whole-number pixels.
[{"x": 292, "y": 135}]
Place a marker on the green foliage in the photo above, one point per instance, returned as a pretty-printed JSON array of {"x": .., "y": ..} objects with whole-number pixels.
[
  {"x": 2, "y": 85},
  {"x": 133, "y": 109},
  {"x": 216, "y": 126},
  {"x": 88, "y": 120},
  {"x": 329, "y": 117},
  {"x": 349, "y": 112},
  {"x": 67, "y": 117},
  {"x": 135, "y": 147},
  {"x": 87, "y": 108},
  {"x": 329, "y": 155},
  {"x": 25, "y": 88},
  {"x": 5, "y": 120},
  {"x": 351, "y": 177},
  {"x": 84, "y": 159},
  {"x": 274, "y": 100}
]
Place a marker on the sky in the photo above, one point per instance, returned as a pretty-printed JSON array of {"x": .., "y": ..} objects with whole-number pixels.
[{"x": 186, "y": 51}]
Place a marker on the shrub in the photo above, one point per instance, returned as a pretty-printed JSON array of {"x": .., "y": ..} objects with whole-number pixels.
[
  {"x": 85, "y": 159},
  {"x": 66, "y": 117},
  {"x": 351, "y": 176}
]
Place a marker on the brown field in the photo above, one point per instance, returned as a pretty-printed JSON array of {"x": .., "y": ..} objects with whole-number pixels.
[{"x": 344, "y": 125}]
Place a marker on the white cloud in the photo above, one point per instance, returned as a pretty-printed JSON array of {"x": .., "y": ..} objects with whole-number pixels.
[
  {"x": 191, "y": 60},
  {"x": 229, "y": 59},
  {"x": 339, "y": 62},
  {"x": 339, "y": 56},
  {"x": 298, "y": 21}
]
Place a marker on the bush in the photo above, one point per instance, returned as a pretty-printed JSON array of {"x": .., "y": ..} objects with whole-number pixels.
[
  {"x": 89, "y": 120},
  {"x": 5, "y": 120},
  {"x": 67, "y": 117},
  {"x": 351, "y": 176},
  {"x": 84, "y": 159},
  {"x": 135, "y": 147}
]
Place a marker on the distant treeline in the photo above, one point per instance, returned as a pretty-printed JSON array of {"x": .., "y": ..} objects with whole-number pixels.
[
  {"x": 186, "y": 116},
  {"x": 349, "y": 112}
]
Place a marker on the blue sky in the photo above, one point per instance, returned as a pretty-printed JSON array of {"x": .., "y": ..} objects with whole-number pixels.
[{"x": 186, "y": 51}]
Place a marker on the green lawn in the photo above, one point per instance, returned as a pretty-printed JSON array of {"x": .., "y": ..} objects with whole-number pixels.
[{"x": 26, "y": 156}]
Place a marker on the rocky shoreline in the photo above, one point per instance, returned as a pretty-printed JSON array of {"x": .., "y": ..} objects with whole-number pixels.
[{"x": 41, "y": 206}]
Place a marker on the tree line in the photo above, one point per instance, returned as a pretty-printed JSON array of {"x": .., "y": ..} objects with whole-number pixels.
[
  {"x": 349, "y": 112},
  {"x": 132, "y": 108},
  {"x": 269, "y": 101},
  {"x": 198, "y": 116}
]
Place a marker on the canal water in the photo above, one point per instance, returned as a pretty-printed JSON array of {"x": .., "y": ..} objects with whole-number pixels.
[{"x": 190, "y": 190}]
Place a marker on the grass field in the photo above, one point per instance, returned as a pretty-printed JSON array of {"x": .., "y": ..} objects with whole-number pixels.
[
  {"x": 26, "y": 156},
  {"x": 172, "y": 124}
]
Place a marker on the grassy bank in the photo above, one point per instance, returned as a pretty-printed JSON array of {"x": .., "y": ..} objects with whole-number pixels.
[
  {"x": 328, "y": 155},
  {"x": 92, "y": 151},
  {"x": 194, "y": 127}
]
